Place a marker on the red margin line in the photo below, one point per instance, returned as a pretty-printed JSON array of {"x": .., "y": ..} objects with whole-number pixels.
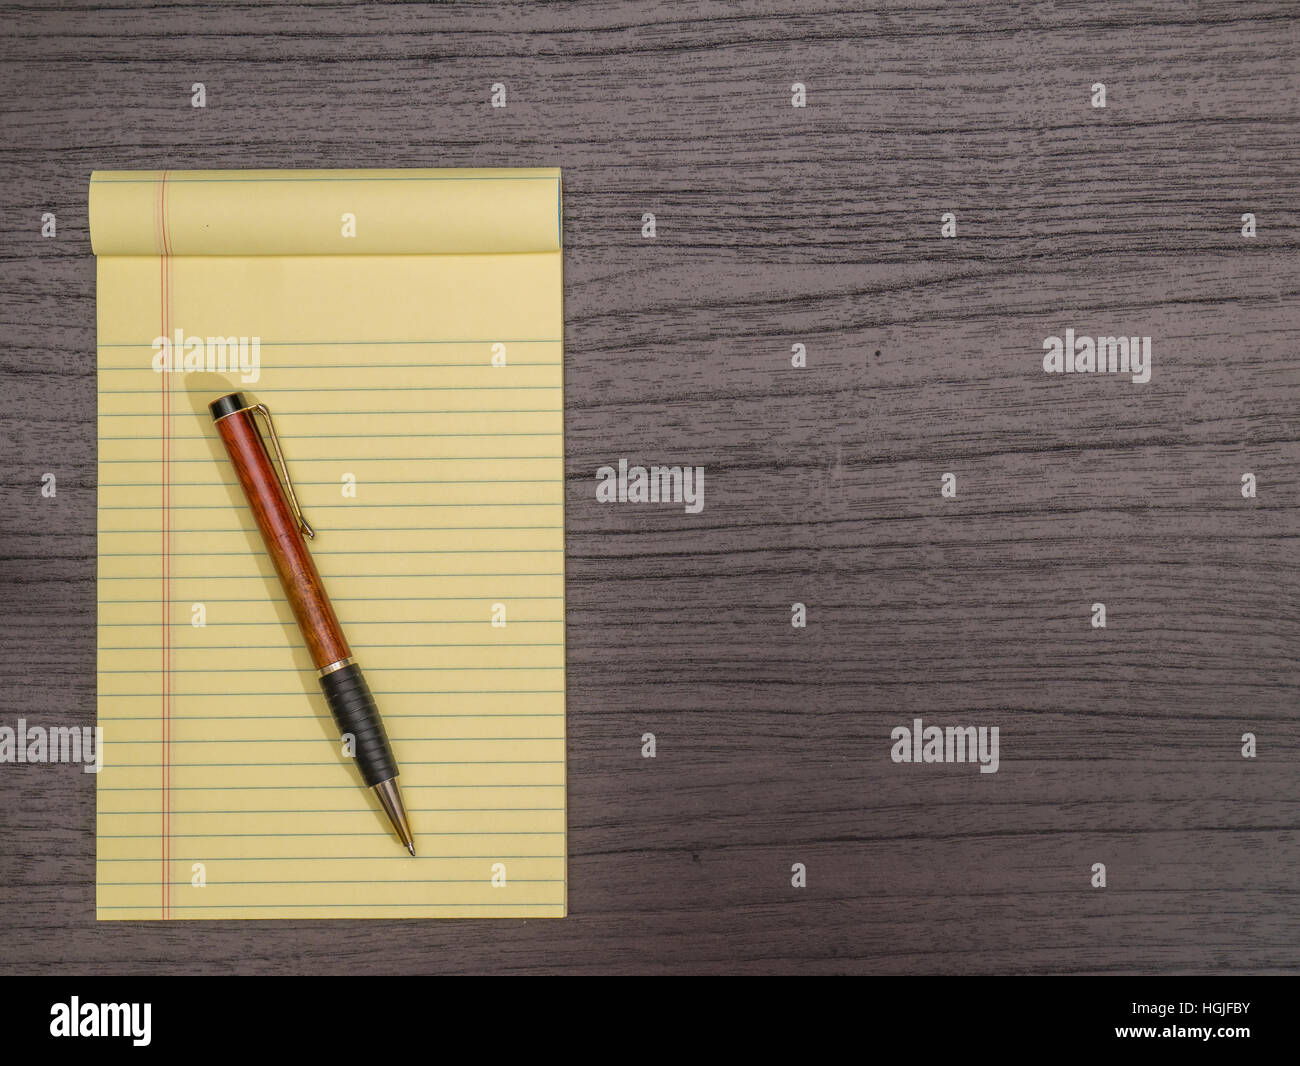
[{"x": 166, "y": 587}]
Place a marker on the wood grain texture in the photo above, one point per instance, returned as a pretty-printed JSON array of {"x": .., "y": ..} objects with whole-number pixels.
[
  {"x": 285, "y": 544},
  {"x": 777, "y": 225}
]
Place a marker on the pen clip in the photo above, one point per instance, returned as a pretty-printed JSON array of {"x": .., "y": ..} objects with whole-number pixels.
[{"x": 288, "y": 481}]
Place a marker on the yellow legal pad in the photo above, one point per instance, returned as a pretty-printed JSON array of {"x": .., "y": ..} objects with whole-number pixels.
[{"x": 407, "y": 328}]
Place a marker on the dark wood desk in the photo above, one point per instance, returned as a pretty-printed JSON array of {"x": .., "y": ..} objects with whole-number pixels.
[{"x": 778, "y": 226}]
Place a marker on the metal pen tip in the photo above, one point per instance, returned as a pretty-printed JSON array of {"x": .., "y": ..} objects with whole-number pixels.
[{"x": 390, "y": 798}]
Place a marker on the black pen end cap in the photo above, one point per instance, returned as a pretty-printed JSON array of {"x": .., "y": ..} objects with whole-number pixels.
[{"x": 228, "y": 405}]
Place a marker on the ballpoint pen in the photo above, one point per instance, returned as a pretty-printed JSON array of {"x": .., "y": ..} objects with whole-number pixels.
[{"x": 280, "y": 519}]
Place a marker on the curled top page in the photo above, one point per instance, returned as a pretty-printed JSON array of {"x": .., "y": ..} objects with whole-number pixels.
[{"x": 325, "y": 212}]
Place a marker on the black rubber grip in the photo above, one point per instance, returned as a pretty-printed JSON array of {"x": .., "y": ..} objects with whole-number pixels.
[{"x": 355, "y": 712}]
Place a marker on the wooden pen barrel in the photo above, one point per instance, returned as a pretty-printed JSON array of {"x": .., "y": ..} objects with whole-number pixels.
[{"x": 282, "y": 536}]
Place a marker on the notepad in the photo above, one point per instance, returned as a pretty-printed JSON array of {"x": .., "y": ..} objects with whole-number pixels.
[{"x": 405, "y": 329}]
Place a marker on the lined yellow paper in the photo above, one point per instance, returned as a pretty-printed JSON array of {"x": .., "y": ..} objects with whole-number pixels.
[{"x": 414, "y": 372}]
